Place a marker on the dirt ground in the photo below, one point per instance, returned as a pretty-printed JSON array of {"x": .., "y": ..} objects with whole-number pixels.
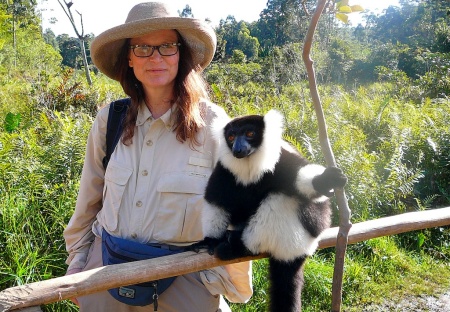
[{"x": 415, "y": 304}]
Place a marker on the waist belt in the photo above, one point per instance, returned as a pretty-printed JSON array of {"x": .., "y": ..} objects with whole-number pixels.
[
  {"x": 117, "y": 250},
  {"x": 169, "y": 247}
]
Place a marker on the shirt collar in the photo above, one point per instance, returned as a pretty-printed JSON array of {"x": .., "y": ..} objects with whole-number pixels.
[{"x": 168, "y": 118}]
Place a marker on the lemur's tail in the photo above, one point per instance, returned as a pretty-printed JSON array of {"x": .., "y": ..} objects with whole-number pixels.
[{"x": 286, "y": 285}]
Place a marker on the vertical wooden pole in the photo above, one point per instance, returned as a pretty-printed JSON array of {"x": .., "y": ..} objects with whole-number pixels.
[{"x": 344, "y": 211}]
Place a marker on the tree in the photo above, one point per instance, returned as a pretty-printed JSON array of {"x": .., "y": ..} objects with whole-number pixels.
[
  {"x": 360, "y": 33},
  {"x": 220, "y": 49},
  {"x": 23, "y": 16},
  {"x": 442, "y": 37},
  {"x": 403, "y": 37},
  {"x": 440, "y": 9},
  {"x": 82, "y": 39},
  {"x": 282, "y": 21},
  {"x": 339, "y": 59},
  {"x": 238, "y": 57},
  {"x": 248, "y": 44},
  {"x": 236, "y": 36},
  {"x": 228, "y": 30},
  {"x": 187, "y": 12},
  {"x": 50, "y": 38},
  {"x": 275, "y": 65},
  {"x": 69, "y": 48}
]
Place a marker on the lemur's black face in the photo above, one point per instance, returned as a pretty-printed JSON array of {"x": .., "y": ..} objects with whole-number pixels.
[{"x": 244, "y": 135}]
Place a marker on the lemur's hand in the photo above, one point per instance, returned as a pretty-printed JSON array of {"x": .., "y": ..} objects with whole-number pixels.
[
  {"x": 208, "y": 243},
  {"x": 330, "y": 179},
  {"x": 232, "y": 247}
]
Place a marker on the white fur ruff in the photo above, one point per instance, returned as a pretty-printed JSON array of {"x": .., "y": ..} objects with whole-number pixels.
[
  {"x": 217, "y": 127},
  {"x": 250, "y": 169},
  {"x": 276, "y": 229}
]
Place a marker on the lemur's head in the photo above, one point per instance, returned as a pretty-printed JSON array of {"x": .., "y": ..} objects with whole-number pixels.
[
  {"x": 251, "y": 145},
  {"x": 244, "y": 135}
]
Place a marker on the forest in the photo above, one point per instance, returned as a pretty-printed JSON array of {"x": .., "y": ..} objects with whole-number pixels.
[{"x": 385, "y": 88}]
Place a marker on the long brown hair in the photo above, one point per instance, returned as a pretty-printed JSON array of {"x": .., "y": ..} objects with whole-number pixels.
[{"x": 190, "y": 88}]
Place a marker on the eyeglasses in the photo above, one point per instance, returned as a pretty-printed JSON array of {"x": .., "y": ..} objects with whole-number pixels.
[{"x": 166, "y": 49}]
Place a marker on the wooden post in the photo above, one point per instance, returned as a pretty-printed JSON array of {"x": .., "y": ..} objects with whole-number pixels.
[{"x": 112, "y": 276}]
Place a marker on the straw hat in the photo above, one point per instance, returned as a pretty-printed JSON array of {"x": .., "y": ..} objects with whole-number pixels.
[{"x": 147, "y": 17}]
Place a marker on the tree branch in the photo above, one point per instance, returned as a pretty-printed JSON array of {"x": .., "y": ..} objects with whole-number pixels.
[
  {"x": 81, "y": 37},
  {"x": 82, "y": 25},
  {"x": 69, "y": 15},
  {"x": 341, "y": 199}
]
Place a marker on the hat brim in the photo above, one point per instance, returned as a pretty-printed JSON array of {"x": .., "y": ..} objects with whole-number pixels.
[{"x": 199, "y": 37}]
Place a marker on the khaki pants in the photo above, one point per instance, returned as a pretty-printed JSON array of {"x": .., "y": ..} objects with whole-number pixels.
[{"x": 187, "y": 293}]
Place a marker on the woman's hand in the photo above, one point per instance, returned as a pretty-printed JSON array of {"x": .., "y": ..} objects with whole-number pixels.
[{"x": 69, "y": 272}]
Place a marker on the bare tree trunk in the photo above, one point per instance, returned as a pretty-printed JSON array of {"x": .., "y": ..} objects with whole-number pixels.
[{"x": 85, "y": 62}]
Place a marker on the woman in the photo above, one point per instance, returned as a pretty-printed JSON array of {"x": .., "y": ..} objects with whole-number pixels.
[{"x": 152, "y": 189}]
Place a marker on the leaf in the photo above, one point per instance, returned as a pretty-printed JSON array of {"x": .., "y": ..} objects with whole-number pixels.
[
  {"x": 216, "y": 90},
  {"x": 420, "y": 239},
  {"x": 357, "y": 8},
  {"x": 342, "y": 17},
  {"x": 345, "y": 9},
  {"x": 12, "y": 121},
  {"x": 341, "y": 3}
]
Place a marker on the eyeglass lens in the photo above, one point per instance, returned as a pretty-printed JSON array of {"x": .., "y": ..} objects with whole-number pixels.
[{"x": 164, "y": 49}]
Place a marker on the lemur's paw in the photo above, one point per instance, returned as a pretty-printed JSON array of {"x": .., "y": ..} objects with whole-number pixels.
[
  {"x": 228, "y": 251},
  {"x": 224, "y": 251},
  {"x": 330, "y": 179},
  {"x": 208, "y": 243}
]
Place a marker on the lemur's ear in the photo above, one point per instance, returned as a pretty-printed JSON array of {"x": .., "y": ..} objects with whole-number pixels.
[
  {"x": 274, "y": 121},
  {"x": 217, "y": 126}
]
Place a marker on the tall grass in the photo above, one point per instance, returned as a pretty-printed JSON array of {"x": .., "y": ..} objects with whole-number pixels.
[{"x": 40, "y": 170}]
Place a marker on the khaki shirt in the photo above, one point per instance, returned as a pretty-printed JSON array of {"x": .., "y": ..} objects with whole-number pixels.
[{"x": 151, "y": 192}]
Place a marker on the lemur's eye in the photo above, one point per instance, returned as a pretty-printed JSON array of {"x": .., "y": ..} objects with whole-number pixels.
[
  {"x": 250, "y": 134},
  {"x": 230, "y": 137}
]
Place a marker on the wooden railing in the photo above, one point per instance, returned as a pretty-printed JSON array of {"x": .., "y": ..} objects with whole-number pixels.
[{"x": 29, "y": 297}]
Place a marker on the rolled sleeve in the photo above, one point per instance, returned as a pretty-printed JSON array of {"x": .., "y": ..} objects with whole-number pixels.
[{"x": 234, "y": 281}]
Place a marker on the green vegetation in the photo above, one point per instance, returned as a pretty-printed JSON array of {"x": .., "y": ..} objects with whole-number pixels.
[{"x": 385, "y": 95}]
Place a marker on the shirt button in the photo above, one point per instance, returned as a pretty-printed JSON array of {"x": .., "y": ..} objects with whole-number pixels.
[
  {"x": 134, "y": 235},
  {"x": 149, "y": 142},
  {"x": 144, "y": 173},
  {"x": 139, "y": 203}
]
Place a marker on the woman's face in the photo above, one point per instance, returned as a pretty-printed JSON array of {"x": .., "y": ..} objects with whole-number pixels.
[{"x": 155, "y": 71}]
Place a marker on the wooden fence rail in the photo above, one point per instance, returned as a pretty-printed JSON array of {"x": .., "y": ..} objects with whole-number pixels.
[{"x": 32, "y": 295}]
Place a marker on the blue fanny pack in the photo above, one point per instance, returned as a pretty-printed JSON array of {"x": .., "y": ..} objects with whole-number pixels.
[{"x": 118, "y": 250}]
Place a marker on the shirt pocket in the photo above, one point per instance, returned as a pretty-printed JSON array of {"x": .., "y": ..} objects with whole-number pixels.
[
  {"x": 180, "y": 206},
  {"x": 116, "y": 179}
]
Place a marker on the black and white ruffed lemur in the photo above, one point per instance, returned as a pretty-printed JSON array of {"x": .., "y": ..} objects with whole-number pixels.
[{"x": 272, "y": 198}]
